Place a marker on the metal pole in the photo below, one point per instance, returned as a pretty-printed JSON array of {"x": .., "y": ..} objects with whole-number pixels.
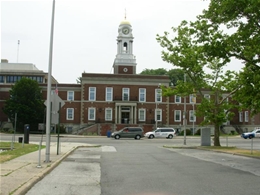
[
  {"x": 18, "y": 50},
  {"x": 193, "y": 115},
  {"x": 13, "y": 137},
  {"x": 48, "y": 117},
  {"x": 184, "y": 114},
  {"x": 156, "y": 114},
  {"x": 251, "y": 146},
  {"x": 58, "y": 141}
]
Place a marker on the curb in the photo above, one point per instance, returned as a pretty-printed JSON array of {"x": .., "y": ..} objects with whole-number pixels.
[{"x": 23, "y": 189}]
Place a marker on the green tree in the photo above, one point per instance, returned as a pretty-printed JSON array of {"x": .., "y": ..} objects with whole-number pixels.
[
  {"x": 186, "y": 51},
  {"x": 159, "y": 71},
  {"x": 25, "y": 100},
  {"x": 174, "y": 74},
  {"x": 241, "y": 19}
]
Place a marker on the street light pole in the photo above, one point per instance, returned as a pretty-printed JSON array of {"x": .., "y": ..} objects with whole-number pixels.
[
  {"x": 184, "y": 115},
  {"x": 193, "y": 115},
  {"x": 48, "y": 115}
]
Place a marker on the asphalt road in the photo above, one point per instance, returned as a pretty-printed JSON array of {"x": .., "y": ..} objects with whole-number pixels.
[
  {"x": 143, "y": 167},
  {"x": 229, "y": 141}
]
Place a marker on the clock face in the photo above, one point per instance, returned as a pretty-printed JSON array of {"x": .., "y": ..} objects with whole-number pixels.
[
  {"x": 125, "y": 69},
  {"x": 125, "y": 31}
]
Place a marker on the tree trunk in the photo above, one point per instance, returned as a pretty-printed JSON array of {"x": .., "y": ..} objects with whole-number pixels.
[{"x": 216, "y": 136}]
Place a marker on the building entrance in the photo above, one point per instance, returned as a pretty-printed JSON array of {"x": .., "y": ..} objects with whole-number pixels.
[{"x": 125, "y": 115}]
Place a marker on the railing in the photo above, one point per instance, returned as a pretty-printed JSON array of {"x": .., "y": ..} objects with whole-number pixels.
[{"x": 127, "y": 121}]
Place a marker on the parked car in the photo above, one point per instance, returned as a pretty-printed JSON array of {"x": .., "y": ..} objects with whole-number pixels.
[
  {"x": 161, "y": 133},
  {"x": 250, "y": 135},
  {"x": 129, "y": 132}
]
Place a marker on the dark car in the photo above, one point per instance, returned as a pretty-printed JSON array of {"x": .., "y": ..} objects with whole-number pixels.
[{"x": 129, "y": 132}]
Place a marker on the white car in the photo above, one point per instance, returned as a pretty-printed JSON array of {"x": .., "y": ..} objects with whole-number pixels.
[
  {"x": 250, "y": 135},
  {"x": 161, "y": 133}
]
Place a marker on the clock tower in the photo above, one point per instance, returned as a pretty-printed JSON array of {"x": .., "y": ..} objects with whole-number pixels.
[{"x": 125, "y": 62}]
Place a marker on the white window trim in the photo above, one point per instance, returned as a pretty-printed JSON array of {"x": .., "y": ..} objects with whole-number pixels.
[
  {"x": 109, "y": 100},
  {"x": 67, "y": 114},
  {"x": 240, "y": 116},
  {"x": 156, "y": 114},
  {"x": 139, "y": 114},
  {"x": 158, "y": 95},
  {"x": 176, "y": 99},
  {"x": 127, "y": 90},
  {"x": 106, "y": 118},
  {"x": 144, "y": 90},
  {"x": 94, "y": 118},
  {"x": 207, "y": 96},
  {"x": 89, "y": 93},
  {"x": 68, "y": 92},
  {"x": 190, "y": 116},
  {"x": 192, "y": 99},
  {"x": 175, "y": 111},
  {"x": 246, "y": 116}
]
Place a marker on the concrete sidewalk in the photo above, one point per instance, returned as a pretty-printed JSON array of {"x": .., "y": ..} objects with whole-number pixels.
[{"x": 20, "y": 174}]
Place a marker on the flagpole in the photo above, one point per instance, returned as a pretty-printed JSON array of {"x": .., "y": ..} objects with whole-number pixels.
[
  {"x": 48, "y": 117},
  {"x": 18, "y": 50}
]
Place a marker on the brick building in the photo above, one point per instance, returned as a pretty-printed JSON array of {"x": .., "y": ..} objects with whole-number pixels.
[{"x": 104, "y": 102}]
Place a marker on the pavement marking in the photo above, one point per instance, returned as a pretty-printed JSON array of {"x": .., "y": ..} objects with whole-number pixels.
[{"x": 108, "y": 149}]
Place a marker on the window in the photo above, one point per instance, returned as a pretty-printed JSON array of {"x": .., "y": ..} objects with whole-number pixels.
[
  {"x": 125, "y": 94},
  {"x": 240, "y": 116},
  {"x": 158, "y": 114},
  {"x": 177, "y": 99},
  {"x": 91, "y": 113},
  {"x": 13, "y": 79},
  {"x": 108, "y": 114},
  {"x": 109, "y": 94},
  {"x": 158, "y": 95},
  {"x": 70, "y": 95},
  {"x": 192, "y": 116},
  {"x": 70, "y": 113},
  {"x": 142, "y": 95},
  {"x": 141, "y": 114},
  {"x": 192, "y": 99},
  {"x": 1, "y": 79},
  {"x": 246, "y": 116},
  {"x": 207, "y": 96},
  {"x": 92, "y": 94},
  {"x": 177, "y": 115},
  {"x": 36, "y": 78}
]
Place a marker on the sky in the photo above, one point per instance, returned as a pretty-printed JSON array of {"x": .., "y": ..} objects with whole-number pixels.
[{"x": 85, "y": 33}]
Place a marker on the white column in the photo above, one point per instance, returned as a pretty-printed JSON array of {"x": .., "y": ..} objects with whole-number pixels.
[
  {"x": 132, "y": 115},
  {"x": 116, "y": 122},
  {"x": 119, "y": 114}
]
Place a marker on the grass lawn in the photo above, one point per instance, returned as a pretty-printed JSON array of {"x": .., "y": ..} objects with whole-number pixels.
[
  {"x": 18, "y": 150},
  {"x": 230, "y": 150},
  {"x": 233, "y": 150}
]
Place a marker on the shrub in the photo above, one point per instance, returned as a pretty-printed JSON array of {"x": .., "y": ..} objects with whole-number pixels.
[
  {"x": 188, "y": 132},
  {"x": 197, "y": 132},
  {"x": 62, "y": 129}
]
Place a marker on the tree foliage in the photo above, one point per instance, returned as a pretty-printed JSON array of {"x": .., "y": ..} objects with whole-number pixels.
[
  {"x": 186, "y": 50},
  {"x": 242, "y": 19},
  {"x": 174, "y": 74},
  {"x": 227, "y": 29},
  {"x": 25, "y": 100}
]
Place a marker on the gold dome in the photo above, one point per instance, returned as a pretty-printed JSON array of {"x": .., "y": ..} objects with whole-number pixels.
[{"x": 125, "y": 22}]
